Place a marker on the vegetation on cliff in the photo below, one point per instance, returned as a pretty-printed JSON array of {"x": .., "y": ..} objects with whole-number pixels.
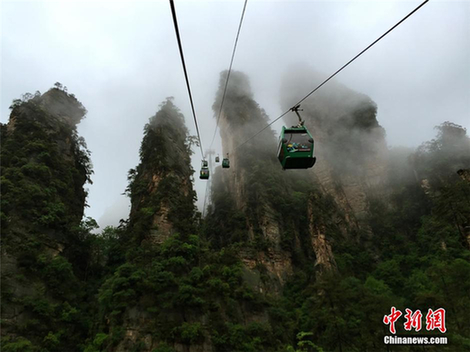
[
  {"x": 166, "y": 280},
  {"x": 44, "y": 167},
  {"x": 172, "y": 288},
  {"x": 161, "y": 182}
]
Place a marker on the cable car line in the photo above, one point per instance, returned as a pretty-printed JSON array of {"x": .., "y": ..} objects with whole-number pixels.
[
  {"x": 229, "y": 70},
  {"x": 175, "y": 22},
  {"x": 225, "y": 164},
  {"x": 331, "y": 76}
]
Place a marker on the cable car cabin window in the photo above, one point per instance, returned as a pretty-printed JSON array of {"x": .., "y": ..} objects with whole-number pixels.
[{"x": 297, "y": 142}]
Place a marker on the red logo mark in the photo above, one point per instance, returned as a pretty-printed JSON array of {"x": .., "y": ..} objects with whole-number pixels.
[
  {"x": 436, "y": 320},
  {"x": 413, "y": 320},
  {"x": 392, "y": 318}
]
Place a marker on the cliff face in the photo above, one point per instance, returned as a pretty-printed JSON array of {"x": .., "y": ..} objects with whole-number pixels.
[
  {"x": 279, "y": 223},
  {"x": 350, "y": 144},
  {"x": 162, "y": 212},
  {"x": 44, "y": 167},
  {"x": 246, "y": 181},
  {"x": 161, "y": 190},
  {"x": 40, "y": 146},
  {"x": 465, "y": 224}
]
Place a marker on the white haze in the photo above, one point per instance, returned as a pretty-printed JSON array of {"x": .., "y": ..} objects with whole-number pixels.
[{"x": 121, "y": 61}]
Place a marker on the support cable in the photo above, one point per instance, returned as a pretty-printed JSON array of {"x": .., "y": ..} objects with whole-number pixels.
[
  {"x": 175, "y": 22},
  {"x": 228, "y": 74}
]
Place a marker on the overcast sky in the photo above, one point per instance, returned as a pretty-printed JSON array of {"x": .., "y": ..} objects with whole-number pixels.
[{"x": 121, "y": 61}]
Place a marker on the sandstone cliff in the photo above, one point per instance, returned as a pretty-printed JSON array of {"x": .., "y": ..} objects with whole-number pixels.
[
  {"x": 44, "y": 167},
  {"x": 281, "y": 225},
  {"x": 161, "y": 190}
]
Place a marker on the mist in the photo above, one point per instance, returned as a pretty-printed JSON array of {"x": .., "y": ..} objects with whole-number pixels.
[
  {"x": 121, "y": 61},
  {"x": 343, "y": 122}
]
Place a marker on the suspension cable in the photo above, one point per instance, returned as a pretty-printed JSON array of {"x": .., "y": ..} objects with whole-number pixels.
[
  {"x": 228, "y": 74},
  {"x": 175, "y": 22},
  {"x": 334, "y": 74}
]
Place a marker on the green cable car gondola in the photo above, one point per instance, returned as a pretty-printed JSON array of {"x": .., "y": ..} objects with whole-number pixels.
[
  {"x": 204, "y": 174},
  {"x": 296, "y": 146},
  {"x": 217, "y": 159},
  {"x": 226, "y": 162}
]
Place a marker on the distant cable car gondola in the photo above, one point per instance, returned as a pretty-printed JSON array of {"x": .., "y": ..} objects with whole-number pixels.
[
  {"x": 296, "y": 146},
  {"x": 217, "y": 159},
  {"x": 226, "y": 162},
  {"x": 204, "y": 174}
]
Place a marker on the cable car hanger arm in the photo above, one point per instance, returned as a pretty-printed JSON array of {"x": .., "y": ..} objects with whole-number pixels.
[{"x": 296, "y": 110}]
